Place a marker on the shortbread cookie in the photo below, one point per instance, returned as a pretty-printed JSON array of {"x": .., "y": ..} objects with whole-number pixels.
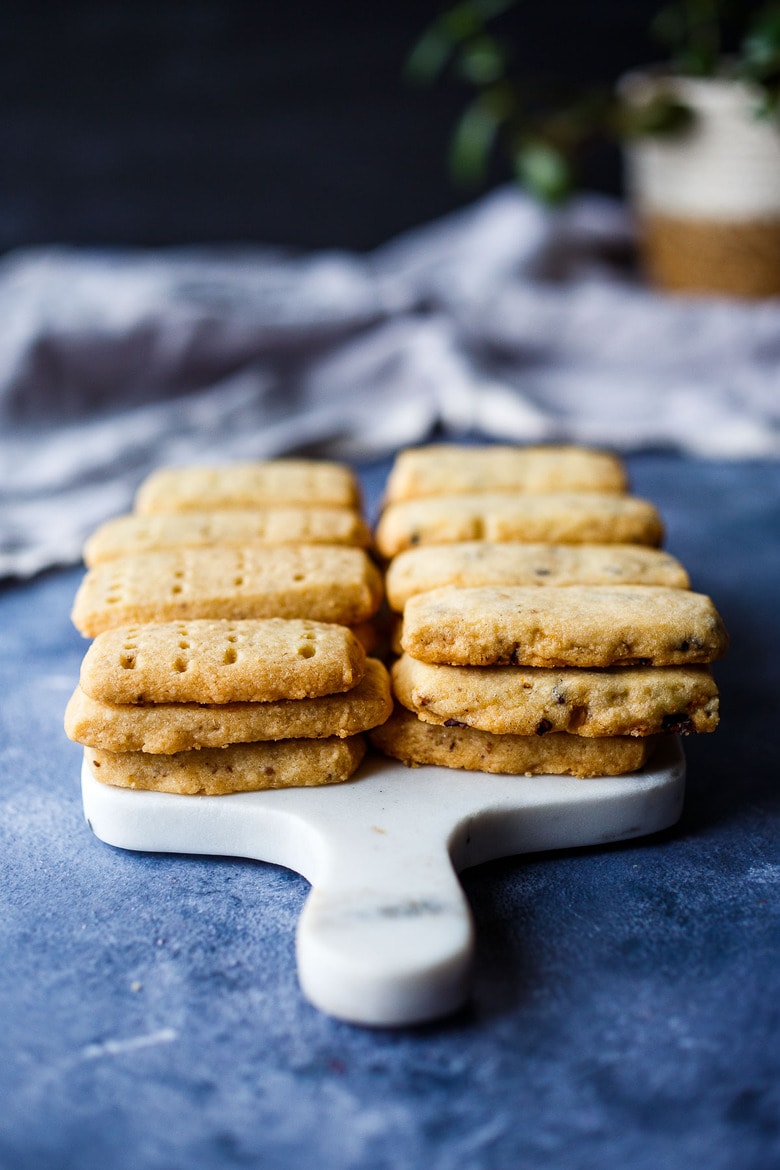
[
  {"x": 567, "y": 625},
  {"x": 222, "y": 662},
  {"x": 248, "y": 485},
  {"x": 240, "y": 527},
  {"x": 396, "y": 629},
  {"x": 562, "y": 518},
  {"x": 285, "y": 763},
  {"x": 450, "y": 469},
  {"x": 533, "y": 700},
  {"x": 406, "y": 738},
  {"x": 483, "y": 562},
  {"x": 163, "y": 728},
  {"x": 322, "y": 582},
  {"x": 368, "y": 635}
]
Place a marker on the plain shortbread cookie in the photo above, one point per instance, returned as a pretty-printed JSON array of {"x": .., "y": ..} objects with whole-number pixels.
[
  {"x": 451, "y": 469},
  {"x": 164, "y": 728},
  {"x": 323, "y": 582},
  {"x": 248, "y": 485},
  {"x": 222, "y": 662},
  {"x": 290, "y": 763},
  {"x": 127, "y": 535},
  {"x": 472, "y": 563},
  {"x": 559, "y": 518}
]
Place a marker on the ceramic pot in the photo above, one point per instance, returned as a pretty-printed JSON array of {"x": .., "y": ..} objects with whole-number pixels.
[{"x": 707, "y": 199}]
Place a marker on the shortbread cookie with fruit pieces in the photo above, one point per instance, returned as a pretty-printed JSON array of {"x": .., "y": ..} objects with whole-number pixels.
[
  {"x": 413, "y": 742},
  {"x": 284, "y": 763},
  {"x": 164, "y": 728},
  {"x": 222, "y": 662},
  {"x": 248, "y": 485},
  {"x": 451, "y": 469},
  {"x": 324, "y": 582},
  {"x": 560, "y": 518},
  {"x": 565, "y": 625},
  {"x": 129, "y": 535},
  {"x": 483, "y": 562},
  {"x": 535, "y": 700}
]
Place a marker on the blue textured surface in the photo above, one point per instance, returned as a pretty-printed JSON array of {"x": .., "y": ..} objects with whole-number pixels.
[{"x": 625, "y": 1010}]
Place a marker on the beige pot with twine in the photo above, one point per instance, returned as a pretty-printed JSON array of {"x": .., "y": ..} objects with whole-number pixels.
[{"x": 707, "y": 199}]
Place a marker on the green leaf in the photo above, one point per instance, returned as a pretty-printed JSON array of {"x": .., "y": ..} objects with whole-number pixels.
[
  {"x": 429, "y": 57},
  {"x": 545, "y": 171},
  {"x": 696, "y": 61},
  {"x": 761, "y": 46},
  {"x": 662, "y": 116},
  {"x": 463, "y": 21},
  {"x": 481, "y": 61},
  {"x": 473, "y": 141},
  {"x": 453, "y": 30},
  {"x": 769, "y": 106},
  {"x": 691, "y": 30}
]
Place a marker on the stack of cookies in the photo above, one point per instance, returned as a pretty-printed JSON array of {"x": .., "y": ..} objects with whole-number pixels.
[
  {"x": 283, "y": 538},
  {"x": 230, "y": 615},
  {"x": 543, "y": 630}
]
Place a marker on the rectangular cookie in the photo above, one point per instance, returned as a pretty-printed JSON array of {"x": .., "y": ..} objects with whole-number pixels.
[
  {"x": 407, "y": 739},
  {"x": 565, "y": 625},
  {"x": 560, "y": 518},
  {"x": 484, "y": 562},
  {"x": 165, "y": 728},
  {"x": 285, "y": 763},
  {"x": 367, "y": 633},
  {"x": 326, "y": 583},
  {"x": 449, "y": 469},
  {"x": 248, "y": 485},
  {"x": 221, "y": 662},
  {"x": 239, "y": 527},
  {"x": 534, "y": 700}
]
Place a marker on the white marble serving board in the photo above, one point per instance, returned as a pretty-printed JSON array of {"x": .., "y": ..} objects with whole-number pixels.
[{"x": 386, "y": 937}]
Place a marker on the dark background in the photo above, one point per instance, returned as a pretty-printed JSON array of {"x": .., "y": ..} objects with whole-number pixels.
[{"x": 177, "y": 121}]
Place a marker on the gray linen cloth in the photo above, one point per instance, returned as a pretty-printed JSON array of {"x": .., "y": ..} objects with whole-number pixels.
[{"x": 502, "y": 320}]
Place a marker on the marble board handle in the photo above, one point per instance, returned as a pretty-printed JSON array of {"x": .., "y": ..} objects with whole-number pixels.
[{"x": 386, "y": 935}]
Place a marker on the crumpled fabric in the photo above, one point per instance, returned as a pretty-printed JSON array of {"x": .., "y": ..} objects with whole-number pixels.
[{"x": 503, "y": 320}]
